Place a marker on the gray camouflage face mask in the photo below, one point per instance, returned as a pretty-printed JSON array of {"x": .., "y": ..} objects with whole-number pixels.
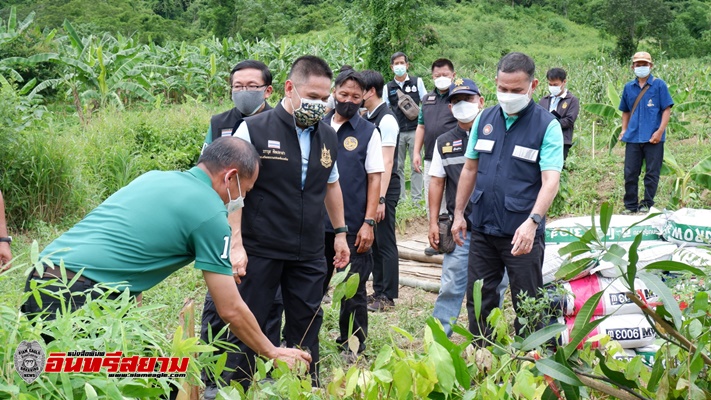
[{"x": 248, "y": 102}]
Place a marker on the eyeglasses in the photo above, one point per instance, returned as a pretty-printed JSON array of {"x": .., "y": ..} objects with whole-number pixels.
[{"x": 250, "y": 88}]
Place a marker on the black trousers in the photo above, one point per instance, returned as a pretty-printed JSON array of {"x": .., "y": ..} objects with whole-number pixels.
[
  {"x": 635, "y": 154},
  {"x": 302, "y": 290},
  {"x": 386, "y": 264},
  {"x": 489, "y": 257},
  {"x": 355, "y": 308}
]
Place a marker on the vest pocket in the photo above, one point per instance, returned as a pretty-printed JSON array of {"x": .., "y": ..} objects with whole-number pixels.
[
  {"x": 517, "y": 210},
  {"x": 476, "y": 217}
]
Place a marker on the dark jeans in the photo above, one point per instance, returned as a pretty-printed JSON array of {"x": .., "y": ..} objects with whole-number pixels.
[
  {"x": 489, "y": 258},
  {"x": 355, "y": 308},
  {"x": 635, "y": 154},
  {"x": 302, "y": 290},
  {"x": 386, "y": 264}
]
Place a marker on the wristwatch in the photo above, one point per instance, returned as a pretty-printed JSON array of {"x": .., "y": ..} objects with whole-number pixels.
[
  {"x": 382, "y": 200},
  {"x": 343, "y": 229},
  {"x": 536, "y": 218},
  {"x": 369, "y": 221},
  {"x": 6, "y": 239}
]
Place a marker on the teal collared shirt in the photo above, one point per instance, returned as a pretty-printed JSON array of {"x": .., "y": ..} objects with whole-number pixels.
[{"x": 551, "y": 149}]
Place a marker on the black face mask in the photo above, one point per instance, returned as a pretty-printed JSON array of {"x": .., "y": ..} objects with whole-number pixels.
[{"x": 346, "y": 109}]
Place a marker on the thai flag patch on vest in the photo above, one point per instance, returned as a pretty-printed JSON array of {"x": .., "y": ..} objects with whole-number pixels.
[{"x": 273, "y": 144}]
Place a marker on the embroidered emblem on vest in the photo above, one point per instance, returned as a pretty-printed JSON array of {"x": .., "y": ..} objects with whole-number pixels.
[
  {"x": 326, "y": 157},
  {"x": 565, "y": 105},
  {"x": 487, "y": 129},
  {"x": 350, "y": 143},
  {"x": 447, "y": 148}
]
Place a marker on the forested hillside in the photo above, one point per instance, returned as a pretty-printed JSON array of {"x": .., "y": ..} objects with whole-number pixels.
[{"x": 674, "y": 28}]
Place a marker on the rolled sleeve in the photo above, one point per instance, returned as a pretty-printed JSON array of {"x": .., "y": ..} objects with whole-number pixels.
[
  {"x": 333, "y": 177},
  {"x": 211, "y": 241},
  {"x": 552, "y": 148}
]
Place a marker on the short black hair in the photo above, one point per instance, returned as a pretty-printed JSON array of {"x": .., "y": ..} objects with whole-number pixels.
[
  {"x": 515, "y": 62},
  {"x": 230, "y": 152},
  {"x": 442, "y": 62},
  {"x": 345, "y": 67},
  {"x": 373, "y": 79},
  {"x": 253, "y": 64},
  {"x": 307, "y": 66},
  {"x": 349, "y": 75},
  {"x": 397, "y": 55},
  {"x": 556, "y": 74}
]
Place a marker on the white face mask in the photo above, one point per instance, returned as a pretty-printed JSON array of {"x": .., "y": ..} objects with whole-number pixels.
[
  {"x": 443, "y": 82},
  {"x": 512, "y": 103},
  {"x": 642, "y": 72},
  {"x": 465, "y": 111},
  {"x": 236, "y": 204},
  {"x": 555, "y": 90},
  {"x": 399, "y": 70}
]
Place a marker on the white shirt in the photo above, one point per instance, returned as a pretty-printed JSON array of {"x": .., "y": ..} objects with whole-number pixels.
[
  {"x": 420, "y": 88},
  {"x": 389, "y": 129},
  {"x": 436, "y": 166},
  {"x": 374, "y": 152}
]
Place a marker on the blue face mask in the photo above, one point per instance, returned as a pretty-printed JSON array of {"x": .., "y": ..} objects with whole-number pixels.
[
  {"x": 236, "y": 204},
  {"x": 642, "y": 72}
]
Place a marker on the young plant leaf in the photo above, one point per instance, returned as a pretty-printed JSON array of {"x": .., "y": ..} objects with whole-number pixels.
[
  {"x": 605, "y": 217},
  {"x": 616, "y": 376},
  {"x": 633, "y": 258},
  {"x": 476, "y": 295},
  {"x": 571, "y": 269},
  {"x": 674, "y": 266},
  {"x": 665, "y": 295},
  {"x": 557, "y": 371},
  {"x": 583, "y": 324},
  {"x": 541, "y": 336}
]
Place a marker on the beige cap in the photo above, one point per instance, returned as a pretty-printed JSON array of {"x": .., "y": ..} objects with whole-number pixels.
[{"x": 642, "y": 56}]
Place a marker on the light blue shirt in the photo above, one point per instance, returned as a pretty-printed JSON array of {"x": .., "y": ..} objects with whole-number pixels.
[{"x": 304, "y": 136}]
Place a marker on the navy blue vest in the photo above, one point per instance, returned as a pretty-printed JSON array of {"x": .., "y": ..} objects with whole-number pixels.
[
  {"x": 438, "y": 119},
  {"x": 509, "y": 175},
  {"x": 353, "y": 138},
  {"x": 405, "y": 123},
  {"x": 280, "y": 219},
  {"x": 394, "y": 185}
]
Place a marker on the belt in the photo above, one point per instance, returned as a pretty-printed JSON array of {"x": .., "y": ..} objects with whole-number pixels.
[{"x": 48, "y": 274}]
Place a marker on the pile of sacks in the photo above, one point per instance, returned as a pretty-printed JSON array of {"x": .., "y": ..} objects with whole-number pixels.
[{"x": 682, "y": 236}]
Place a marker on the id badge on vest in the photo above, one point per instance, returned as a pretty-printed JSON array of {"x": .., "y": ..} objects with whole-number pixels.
[
  {"x": 484, "y": 145},
  {"x": 525, "y": 153}
]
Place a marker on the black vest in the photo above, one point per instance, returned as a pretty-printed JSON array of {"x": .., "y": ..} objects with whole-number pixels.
[
  {"x": 380, "y": 112},
  {"x": 280, "y": 220},
  {"x": 438, "y": 119},
  {"x": 509, "y": 175},
  {"x": 403, "y": 122},
  {"x": 226, "y": 123},
  {"x": 451, "y": 147},
  {"x": 353, "y": 138}
]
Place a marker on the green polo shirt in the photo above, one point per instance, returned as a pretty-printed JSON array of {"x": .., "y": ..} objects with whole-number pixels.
[{"x": 156, "y": 225}]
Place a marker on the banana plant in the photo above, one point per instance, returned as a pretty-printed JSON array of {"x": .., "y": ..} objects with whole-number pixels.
[
  {"x": 684, "y": 189},
  {"x": 611, "y": 116}
]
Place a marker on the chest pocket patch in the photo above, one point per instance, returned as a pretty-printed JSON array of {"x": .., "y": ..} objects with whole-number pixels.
[
  {"x": 525, "y": 153},
  {"x": 484, "y": 145},
  {"x": 431, "y": 99}
]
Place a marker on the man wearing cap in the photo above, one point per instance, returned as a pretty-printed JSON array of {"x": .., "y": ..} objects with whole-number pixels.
[
  {"x": 511, "y": 176},
  {"x": 646, "y": 106},
  {"x": 465, "y": 101}
]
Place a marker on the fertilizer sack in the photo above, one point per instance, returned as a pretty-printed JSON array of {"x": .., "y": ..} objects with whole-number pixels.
[
  {"x": 689, "y": 227},
  {"x": 614, "y": 299},
  {"x": 568, "y": 229},
  {"x": 631, "y": 330}
]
